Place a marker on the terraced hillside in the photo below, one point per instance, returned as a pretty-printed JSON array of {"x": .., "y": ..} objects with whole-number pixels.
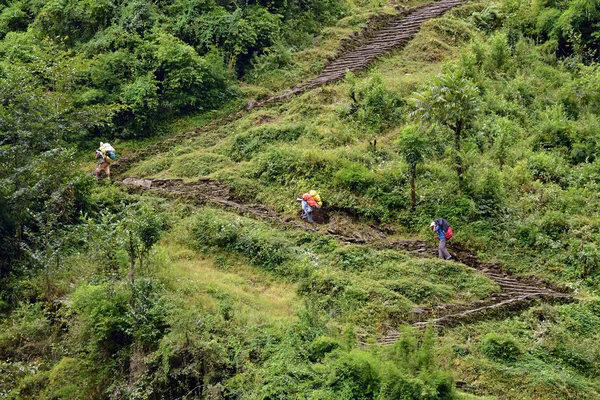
[
  {"x": 516, "y": 293},
  {"x": 391, "y": 36}
]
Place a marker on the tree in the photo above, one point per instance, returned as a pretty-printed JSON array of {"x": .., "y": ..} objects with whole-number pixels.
[
  {"x": 142, "y": 227},
  {"x": 41, "y": 190},
  {"x": 412, "y": 147},
  {"x": 450, "y": 101}
]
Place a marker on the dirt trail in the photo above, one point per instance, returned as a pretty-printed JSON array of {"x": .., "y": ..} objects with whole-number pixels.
[
  {"x": 359, "y": 51},
  {"x": 516, "y": 292}
]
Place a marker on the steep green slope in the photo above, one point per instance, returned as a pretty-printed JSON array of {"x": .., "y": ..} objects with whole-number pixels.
[{"x": 225, "y": 296}]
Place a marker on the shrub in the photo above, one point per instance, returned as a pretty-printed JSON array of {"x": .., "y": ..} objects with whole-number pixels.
[
  {"x": 553, "y": 131},
  {"x": 547, "y": 167},
  {"x": 354, "y": 177},
  {"x": 499, "y": 52},
  {"x": 488, "y": 192},
  {"x": 264, "y": 247},
  {"x": 354, "y": 376},
  {"x": 501, "y": 347},
  {"x": 100, "y": 312},
  {"x": 26, "y": 331},
  {"x": 322, "y": 346},
  {"x": 372, "y": 104},
  {"x": 554, "y": 224}
]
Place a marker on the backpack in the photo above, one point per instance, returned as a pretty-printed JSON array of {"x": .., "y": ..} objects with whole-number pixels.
[
  {"x": 310, "y": 200},
  {"x": 316, "y": 197},
  {"x": 108, "y": 151},
  {"x": 449, "y": 233}
]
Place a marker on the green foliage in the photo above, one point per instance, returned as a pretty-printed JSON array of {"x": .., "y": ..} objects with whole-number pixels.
[
  {"x": 373, "y": 106},
  {"x": 547, "y": 167},
  {"x": 451, "y": 100},
  {"x": 355, "y": 177},
  {"x": 412, "y": 146},
  {"x": 101, "y": 321},
  {"x": 353, "y": 376},
  {"x": 501, "y": 347},
  {"x": 245, "y": 145},
  {"x": 262, "y": 246},
  {"x": 489, "y": 192},
  {"x": 25, "y": 332}
]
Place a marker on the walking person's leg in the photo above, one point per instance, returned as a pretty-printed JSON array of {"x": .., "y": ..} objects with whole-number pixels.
[
  {"x": 310, "y": 219},
  {"x": 444, "y": 255},
  {"x": 107, "y": 170}
]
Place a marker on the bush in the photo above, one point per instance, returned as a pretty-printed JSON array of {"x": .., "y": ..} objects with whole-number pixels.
[
  {"x": 488, "y": 192},
  {"x": 355, "y": 178},
  {"x": 26, "y": 332},
  {"x": 554, "y": 224},
  {"x": 547, "y": 167},
  {"x": 354, "y": 376},
  {"x": 264, "y": 247},
  {"x": 501, "y": 347},
  {"x": 100, "y": 314},
  {"x": 322, "y": 346},
  {"x": 554, "y": 131},
  {"x": 372, "y": 104}
]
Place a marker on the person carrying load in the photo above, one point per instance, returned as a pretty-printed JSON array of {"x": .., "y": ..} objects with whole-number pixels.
[
  {"x": 105, "y": 155},
  {"x": 444, "y": 231},
  {"x": 310, "y": 201}
]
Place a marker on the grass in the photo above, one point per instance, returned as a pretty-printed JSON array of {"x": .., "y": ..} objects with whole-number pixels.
[
  {"x": 545, "y": 352},
  {"x": 203, "y": 280},
  {"x": 557, "y": 359}
]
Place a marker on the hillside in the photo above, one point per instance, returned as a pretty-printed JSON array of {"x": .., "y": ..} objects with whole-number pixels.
[{"x": 192, "y": 275}]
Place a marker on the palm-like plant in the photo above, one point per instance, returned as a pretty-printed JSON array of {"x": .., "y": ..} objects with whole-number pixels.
[{"x": 451, "y": 101}]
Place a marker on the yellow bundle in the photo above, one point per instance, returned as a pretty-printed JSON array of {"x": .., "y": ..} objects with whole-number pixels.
[{"x": 316, "y": 196}]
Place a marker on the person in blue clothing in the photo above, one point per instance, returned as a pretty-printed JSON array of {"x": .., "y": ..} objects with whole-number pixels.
[{"x": 438, "y": 227}]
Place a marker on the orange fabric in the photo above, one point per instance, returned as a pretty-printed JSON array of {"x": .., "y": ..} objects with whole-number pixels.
[{"x": 309, "y": 199}]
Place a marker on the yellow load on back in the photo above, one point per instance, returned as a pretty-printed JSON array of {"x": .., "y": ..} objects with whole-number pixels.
[{"x": 316, "y": 196}]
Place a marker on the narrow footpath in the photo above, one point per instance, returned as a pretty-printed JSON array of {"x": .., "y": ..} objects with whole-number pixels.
[{"x": 516, "y": 292}]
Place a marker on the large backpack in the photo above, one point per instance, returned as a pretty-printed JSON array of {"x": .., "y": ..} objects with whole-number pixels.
[
  {"x": 316, "y": 197},
  {"x": 310, "y": 200},
  {"x": 445, "y": 225},
  {"x": 108, "y": 151}
]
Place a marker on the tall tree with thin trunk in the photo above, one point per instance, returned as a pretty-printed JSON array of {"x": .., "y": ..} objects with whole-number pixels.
[
  {"x": 451, "y": 101},
  {"x": 412, "y": 146}
]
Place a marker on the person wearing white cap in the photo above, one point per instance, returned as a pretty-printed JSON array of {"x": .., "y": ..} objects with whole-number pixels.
[
  {"x": 439, "y": 229},
  {"x": 103, "y": 159}
]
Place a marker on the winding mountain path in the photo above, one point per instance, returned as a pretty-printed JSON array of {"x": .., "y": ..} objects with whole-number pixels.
[
  {"x": 516, "y": 292},
  {"x": 394, "y": 34}
]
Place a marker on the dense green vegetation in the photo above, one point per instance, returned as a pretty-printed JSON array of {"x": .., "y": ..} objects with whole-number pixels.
[{"x": 489, "y": 118}]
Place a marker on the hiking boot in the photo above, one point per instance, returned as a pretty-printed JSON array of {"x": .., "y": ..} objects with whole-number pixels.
[{"x": 448, "y": 258}]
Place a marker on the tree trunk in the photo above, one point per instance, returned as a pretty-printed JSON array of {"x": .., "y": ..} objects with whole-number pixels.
[
  {"x": 413, "y": 196},
  {"x": 459, "y": 164},
  {"x": 19, "y": 242},
  {"x": 132, "y": 258}
]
